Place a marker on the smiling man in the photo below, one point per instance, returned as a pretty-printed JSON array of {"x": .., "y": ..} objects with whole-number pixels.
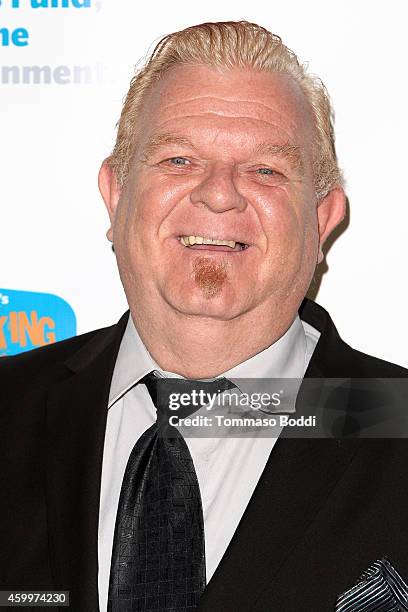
[
  {"x": 221, "y": 190},
  {"x": 227, "y": 155}
]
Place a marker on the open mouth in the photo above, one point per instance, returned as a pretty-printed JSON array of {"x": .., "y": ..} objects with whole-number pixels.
[{"x": 212, "y": 244}]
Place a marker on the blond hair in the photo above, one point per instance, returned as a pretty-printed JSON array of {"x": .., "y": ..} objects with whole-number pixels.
[{"x": 230, "y": 44}]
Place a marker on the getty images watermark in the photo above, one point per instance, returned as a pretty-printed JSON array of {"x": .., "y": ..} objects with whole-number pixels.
[
  {"x": 310, "y": 407},
  {"x": 235, "y": 408}
]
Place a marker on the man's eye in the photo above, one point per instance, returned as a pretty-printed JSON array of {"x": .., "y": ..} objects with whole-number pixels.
[
  {"x": 178, "y": 161},
  {"x": 265, "y": 171}
]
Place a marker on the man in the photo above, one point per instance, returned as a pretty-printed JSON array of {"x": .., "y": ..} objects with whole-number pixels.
[{"x": 221, "y": 190}]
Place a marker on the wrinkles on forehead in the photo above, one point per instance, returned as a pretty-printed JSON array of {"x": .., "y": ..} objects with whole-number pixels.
[
  {"x": 248, "y": 115},
  {"x": 273, "y": 108}
]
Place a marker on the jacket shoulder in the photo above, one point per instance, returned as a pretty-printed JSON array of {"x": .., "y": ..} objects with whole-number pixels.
[
  {"x": 370, "y": 366},
  {"x": 337, "y": 359},
  {"x": 27, "y": 367}
]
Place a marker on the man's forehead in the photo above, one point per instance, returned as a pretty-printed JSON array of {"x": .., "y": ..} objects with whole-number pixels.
[
  {"x": 241, "y": 112},
  {"x": 247, "y": 93}
]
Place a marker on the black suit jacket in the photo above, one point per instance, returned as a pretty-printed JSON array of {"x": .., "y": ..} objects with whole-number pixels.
[{"x": 322, "y": 512}]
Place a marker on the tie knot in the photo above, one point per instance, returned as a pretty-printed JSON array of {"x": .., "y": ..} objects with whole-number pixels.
[{"x": 182, "y": 396}]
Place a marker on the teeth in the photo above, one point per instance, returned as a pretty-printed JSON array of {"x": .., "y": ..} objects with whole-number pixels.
[{"x": 191, "y": 240}]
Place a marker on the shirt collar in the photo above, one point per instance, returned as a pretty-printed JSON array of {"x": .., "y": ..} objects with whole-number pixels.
[
  {"x": 132, "y": 363},
  {"x": 285, "y": 358}
]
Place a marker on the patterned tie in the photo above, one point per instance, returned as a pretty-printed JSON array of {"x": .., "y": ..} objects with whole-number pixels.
[{"x": 158, "y": 556}]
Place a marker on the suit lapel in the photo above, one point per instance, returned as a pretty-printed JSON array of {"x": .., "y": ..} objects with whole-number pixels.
[
  {"x": 291, "y": 491},
  {"x": 76, "y": 421}
]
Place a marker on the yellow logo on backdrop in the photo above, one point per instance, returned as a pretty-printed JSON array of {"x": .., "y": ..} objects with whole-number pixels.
[
  {"x": 24, "y": 329},
  {"x": 30, "y": 320}
]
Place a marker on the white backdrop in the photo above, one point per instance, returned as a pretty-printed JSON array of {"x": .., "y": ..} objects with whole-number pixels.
[{"x": 54, "y": 136}]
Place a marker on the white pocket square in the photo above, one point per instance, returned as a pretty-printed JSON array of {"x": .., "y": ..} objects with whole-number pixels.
[{"x": 379, "y": 589}]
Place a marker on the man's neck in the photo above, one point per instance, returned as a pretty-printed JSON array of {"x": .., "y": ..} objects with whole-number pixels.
[{"x": 204, "y": 347}]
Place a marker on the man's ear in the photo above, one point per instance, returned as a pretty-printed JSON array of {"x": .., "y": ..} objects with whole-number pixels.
[
  {"x": 331, "y": 210},
  {"x": 109, "y": 188}
]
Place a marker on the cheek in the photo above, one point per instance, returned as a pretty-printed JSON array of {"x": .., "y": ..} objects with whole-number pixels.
[
  {"x": 156, "y": 201},
  {"x": 284, "y": 221},
  {"x": 290, "y": 228}
]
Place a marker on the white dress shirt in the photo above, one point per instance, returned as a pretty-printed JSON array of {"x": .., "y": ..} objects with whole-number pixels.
[{"x": 227, "y": 468}]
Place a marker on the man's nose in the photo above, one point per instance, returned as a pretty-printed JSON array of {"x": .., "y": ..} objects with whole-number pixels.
[{"x": 218, "y": 191}]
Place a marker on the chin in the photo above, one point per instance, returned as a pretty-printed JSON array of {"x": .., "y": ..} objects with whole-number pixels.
[{"x": 219, "y": 307}]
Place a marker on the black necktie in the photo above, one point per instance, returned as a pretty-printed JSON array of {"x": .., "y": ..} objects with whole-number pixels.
[{"x": 158, "y": 556}]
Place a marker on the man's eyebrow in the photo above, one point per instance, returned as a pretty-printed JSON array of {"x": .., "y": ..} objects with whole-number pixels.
[
  {"x": 159, "y": 140},
  {"x": 291, "y": 152}
]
